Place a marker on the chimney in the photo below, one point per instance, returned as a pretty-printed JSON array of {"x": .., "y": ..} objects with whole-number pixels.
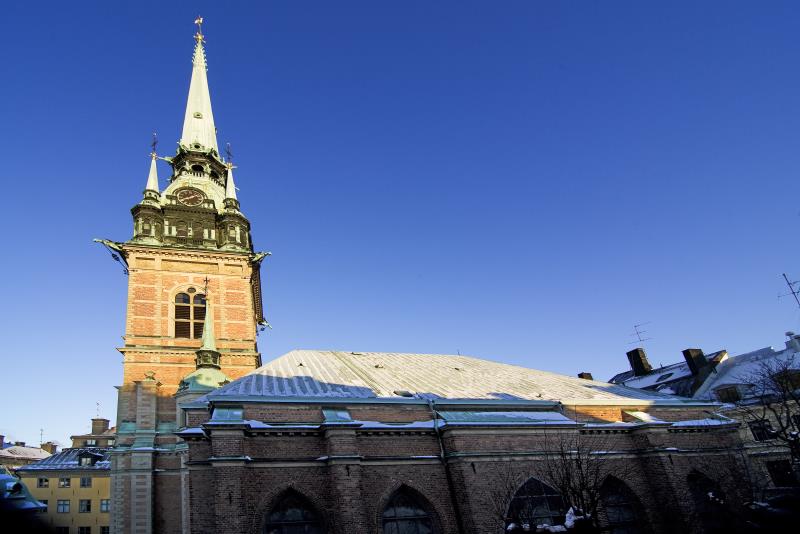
[
  {"x": 793, "y": 343},
  {"x": 639, "y": 363},
  {"x": 585, "y": 376},
  {"x": 99, "y": 425},
  {"x": 695, "y": 359},
  {"x": 50, "y": 447},
  {"x": 19, "y": 443},
  {"x": 2, "y": 441}
]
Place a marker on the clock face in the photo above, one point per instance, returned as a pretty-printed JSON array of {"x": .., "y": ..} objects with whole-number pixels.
[{"x": 190, "y": 197}]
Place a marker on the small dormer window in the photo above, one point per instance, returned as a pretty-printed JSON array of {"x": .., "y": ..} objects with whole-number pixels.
[
  {"x": 729, "y": 394},
  {"x": 86, "y": 461}
]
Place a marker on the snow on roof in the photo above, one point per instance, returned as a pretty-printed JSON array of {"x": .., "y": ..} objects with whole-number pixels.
[
  {"x": 380, "y": 375},
  {"x": 70, "y": 459},
  {"x": 19, "y": 452},
  {"x": 740, "y": 370}
]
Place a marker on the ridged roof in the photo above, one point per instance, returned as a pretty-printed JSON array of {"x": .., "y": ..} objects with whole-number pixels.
[
  {"x": 69, "y": 459},
  {"x": 334, "y": 374}
]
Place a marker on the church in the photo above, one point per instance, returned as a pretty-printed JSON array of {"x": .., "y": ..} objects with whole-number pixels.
[{"x": 210, "y": 440}]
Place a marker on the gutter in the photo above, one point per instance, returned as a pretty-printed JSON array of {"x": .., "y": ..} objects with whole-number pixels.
[{"x": 450, "y": 486}]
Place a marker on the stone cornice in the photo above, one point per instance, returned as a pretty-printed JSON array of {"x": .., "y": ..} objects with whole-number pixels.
[{"x": 166, "y": 250}]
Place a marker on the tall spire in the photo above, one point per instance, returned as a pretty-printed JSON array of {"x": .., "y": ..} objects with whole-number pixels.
[
  {"x": 198, "y": 123},
  {"x": 230, "y": 187},
  {"x": 152, "y": 178},
  {"x": 209, "y": 341}
]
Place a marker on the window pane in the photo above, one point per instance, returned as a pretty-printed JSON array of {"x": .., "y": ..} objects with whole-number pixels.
[
  {"x": 199, "y": 300},
  {"x": 182, "y": 298},
  {"x": 182, "y": 312},
  {"x": 182, "y": 329},
  {"x": 198, "y": 330}
]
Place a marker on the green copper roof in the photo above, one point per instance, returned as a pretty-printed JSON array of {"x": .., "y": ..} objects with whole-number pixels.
[{"x": 203, "y": 380}]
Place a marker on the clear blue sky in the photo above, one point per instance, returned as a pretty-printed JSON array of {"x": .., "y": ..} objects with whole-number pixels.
[{"x": 521, "y": 181}]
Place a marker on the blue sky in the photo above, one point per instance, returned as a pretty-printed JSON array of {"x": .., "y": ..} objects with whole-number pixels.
[{"x": 520, "y": 181}]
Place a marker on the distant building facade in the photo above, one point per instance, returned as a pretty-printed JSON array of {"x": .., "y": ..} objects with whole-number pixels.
[
  {"x": 74, "y": 487},
  {"x": 738, "y": 383},
  {"x": 101, "y": 435}
]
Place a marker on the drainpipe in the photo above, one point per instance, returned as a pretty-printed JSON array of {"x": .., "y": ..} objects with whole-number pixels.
[{"x": 443, "y": 458}]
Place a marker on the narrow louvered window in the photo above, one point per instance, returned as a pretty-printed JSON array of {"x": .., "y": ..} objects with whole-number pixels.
[{"x": 189, "y": 315}]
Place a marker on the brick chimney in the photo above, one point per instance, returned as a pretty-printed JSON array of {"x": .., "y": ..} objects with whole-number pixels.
[
  {"x": 99, "y": 425},
  {"x": 50, "y": 447},
  {"x": 19, "y": 443},
  {"x": 585, "y": 376},
  {"x": 638, "y": 361},
  {"x": 695, "y": 359}
]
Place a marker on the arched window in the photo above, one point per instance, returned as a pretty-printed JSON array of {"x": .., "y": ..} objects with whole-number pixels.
[
  {"x": 189, "y": 315},
  {"x": 293, "y": 514},
  {"x": 536, "y": 503},
  {"x": 620, "y": 508},
  {"x": 405, "y": 514},
  {"x": 709, "y": 503}
]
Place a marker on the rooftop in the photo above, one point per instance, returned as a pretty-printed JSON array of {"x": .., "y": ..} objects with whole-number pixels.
[
  {"x": 70, "y": 459},
  {"x": 675, "y": 379},
  {"x": 382, "y": 375},
  {"x": 742, "y": 369},
  {"x": 21, "y": 452}
]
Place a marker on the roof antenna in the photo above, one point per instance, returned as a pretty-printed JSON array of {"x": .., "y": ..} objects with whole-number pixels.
[
  {"x": 98, "y": 409},
  {"x": 41, "y": 437},
  {"x": 638, "y": 333},
  {"x": 792, "y": 290}
]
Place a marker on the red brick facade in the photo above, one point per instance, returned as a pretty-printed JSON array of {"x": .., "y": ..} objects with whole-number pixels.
[{"x": 236, "y": 471}]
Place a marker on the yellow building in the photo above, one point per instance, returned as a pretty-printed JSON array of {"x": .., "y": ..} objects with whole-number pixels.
[{"x": 74, "y": 484}]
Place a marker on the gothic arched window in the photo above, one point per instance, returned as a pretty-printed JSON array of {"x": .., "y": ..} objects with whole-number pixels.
[
  {"x": 536, "y": 503},
  {"x": 293, "y": 514},
  {"x": 189, "y": 315},
  {"x": 709, "y": 503},
  {"x": 620, "y": 507},
  {"x": 405, "y": 514}
]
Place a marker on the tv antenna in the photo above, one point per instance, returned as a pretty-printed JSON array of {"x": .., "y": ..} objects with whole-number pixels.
[
  {"x": 792, "y": 290},
  {"x": 98, "y": 409},
  {"x": 638, "y": 333},
  {"x": 41, "y": 436}
]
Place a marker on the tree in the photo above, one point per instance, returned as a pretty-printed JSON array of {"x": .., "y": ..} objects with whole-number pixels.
[
  {"x": 576, "y": 465},
  {"x": 573, "y": 466},
  {"x": 773, "y": 408}
]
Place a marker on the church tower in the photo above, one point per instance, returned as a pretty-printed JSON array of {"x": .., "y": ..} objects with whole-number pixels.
[{"x": 191, "y": 245}]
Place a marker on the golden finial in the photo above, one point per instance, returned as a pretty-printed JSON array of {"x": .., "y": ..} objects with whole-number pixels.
[{"x": 199, "y": 35}]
